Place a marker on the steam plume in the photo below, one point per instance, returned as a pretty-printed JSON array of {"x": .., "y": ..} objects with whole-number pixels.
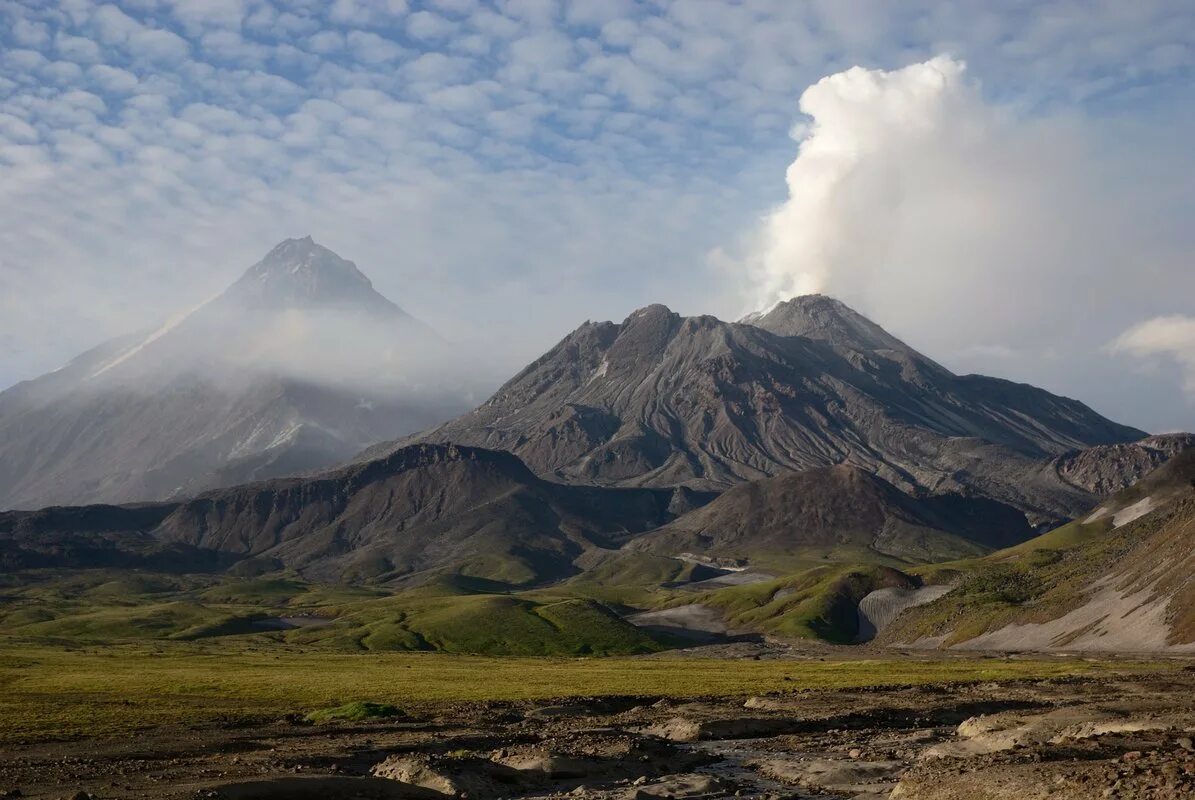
[{"x": 853, "y": 161}]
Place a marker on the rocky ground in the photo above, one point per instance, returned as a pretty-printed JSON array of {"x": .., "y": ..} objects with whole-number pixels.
[{"x": 1066, "y": 738}]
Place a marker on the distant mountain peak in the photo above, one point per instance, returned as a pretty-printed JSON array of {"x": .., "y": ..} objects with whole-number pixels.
[
  {"x": 653, "y": 311},
  {"x": 302, "y": 273},
  {"x": 824, "y": 318}
]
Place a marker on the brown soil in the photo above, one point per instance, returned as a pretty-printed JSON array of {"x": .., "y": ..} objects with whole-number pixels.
[{"x": 1065, "y": 738}]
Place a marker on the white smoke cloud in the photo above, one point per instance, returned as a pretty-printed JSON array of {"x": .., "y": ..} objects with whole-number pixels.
[
  {"x": 1170, "y": 337},
  {"x": 1011, "y": 240},
  {"x": 853, "y": 158}
]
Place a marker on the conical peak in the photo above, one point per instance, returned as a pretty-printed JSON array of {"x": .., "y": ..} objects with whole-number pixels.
[
  {"x": 300, "y": 272},
  {"x": 655, "y": 311},
  {"x": 818, "y": 316},
  {"x": 296, "y": 256}
]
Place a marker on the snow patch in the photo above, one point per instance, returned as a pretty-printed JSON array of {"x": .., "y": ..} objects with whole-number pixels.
[
  {"x": 253, "y": 442},
  {"x": 1134, "y": 512},
  {"x": 285, "y": 435}
]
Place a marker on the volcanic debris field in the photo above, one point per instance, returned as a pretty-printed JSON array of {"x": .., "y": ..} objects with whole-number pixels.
[{"x": 182, "y": 720}]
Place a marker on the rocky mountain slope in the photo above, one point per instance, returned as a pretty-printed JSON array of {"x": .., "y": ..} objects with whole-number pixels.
[
  {"x": 842, "y": 511},
  {"x": 429, "y": 509},
  {"x": 1106, "y": 470},
  {"x": 1117, "y": 579},
  {"x": 664, "y": 400},
  {"x": 438, "y": 508},
  {"x": 297, "y": 365}
]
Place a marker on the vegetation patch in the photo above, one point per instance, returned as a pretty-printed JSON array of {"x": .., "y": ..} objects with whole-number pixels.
[
  {"x": 359, "y": 711},
  {"x": 819, "y": 603},
  {"x": 1045, "y": 578},
  {"x": 52, "y": 691}
]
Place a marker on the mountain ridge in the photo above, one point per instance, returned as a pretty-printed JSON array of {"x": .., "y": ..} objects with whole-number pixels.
[
  {"x": 425, "y": 508},
  {"x": 665, "y": 400}
]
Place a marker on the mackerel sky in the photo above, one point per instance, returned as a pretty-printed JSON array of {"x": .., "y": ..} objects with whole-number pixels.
[{"x": 506, "y": 169}]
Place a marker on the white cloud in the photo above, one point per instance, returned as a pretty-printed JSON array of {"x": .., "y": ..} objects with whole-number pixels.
[
  {"x": 112, "y": 79},
  {"x": 77, "y": 48},
  {"x": 461, "y": 7},
  {"x": 542, "y": 51},
  {"x": 158, "y": 45},
  {"x": 1170, "y": 337},
  {"x": 29, "y": 33},
  {"x": 112, "y": 25},
  {"x": 426, "y": 25},
  {"x": 325, "y": 42},
  {"x": 373, "y": 49},
  {"x": 219, "y": 13},
  {"x": 536, "y": 12},
  {"x": 15, "y": 129},
  {"x": 437, "y": 68}
]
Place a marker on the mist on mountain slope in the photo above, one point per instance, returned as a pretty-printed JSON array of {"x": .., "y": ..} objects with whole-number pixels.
[
  {"x": 296, "y": 366},
  {"x": 303, "y": 314}
]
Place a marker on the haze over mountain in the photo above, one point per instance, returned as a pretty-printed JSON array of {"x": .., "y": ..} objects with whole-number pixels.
[
  {"x": 297, "y": 365},
  {"x": 663, "y": 400}
]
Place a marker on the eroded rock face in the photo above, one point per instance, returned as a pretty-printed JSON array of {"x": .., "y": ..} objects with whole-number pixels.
[
  {"x": 321, "y": 788},
  {"x": 1106, "y": 470},
  {"x": 1128, "y": 746},
  {"x": 999, "y": 732}
]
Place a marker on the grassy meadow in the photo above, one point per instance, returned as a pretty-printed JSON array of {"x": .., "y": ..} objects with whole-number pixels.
[{"x": 51, "y": 691}]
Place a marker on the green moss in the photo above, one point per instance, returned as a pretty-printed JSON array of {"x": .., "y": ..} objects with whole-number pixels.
[{"x": 359, "y": 711}]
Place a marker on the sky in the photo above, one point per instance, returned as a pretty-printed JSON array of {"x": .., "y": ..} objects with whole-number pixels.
[{"x": 1007, "y": 186}]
